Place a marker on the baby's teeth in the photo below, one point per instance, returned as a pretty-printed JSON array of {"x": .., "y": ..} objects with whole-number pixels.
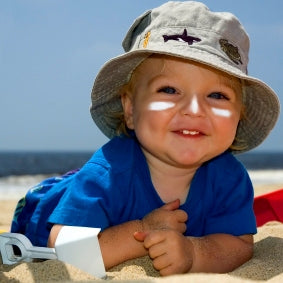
[{"x": 187, "y": 132}]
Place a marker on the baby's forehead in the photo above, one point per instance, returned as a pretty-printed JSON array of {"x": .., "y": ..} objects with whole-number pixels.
[
  {"x": 161, "y": 63},
  {"x": 163, "y": 60}
]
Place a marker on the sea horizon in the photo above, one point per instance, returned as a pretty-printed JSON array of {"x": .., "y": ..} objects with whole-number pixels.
[{"x": 23, "y": 162}]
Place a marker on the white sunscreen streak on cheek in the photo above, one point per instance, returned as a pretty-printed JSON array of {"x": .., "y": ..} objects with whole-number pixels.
[
  {"x": 160, "y": 105},
  {"x": 222, "y": 112}
]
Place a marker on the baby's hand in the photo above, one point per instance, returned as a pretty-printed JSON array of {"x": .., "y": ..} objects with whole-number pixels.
[
  {"x": 166, "y": 217},
  {"x": 171, "y": 252}
]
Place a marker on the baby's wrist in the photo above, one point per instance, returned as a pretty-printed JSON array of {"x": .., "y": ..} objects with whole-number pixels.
[
  {"x": 143, "y": 225},
  {"x": 191, "y": 249}
]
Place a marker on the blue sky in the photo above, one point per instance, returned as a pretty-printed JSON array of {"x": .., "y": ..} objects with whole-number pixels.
[{"x": 51, "y": 51}]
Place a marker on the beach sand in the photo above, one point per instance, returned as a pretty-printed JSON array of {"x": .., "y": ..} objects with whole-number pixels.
[{"x": 265, "y": 266}]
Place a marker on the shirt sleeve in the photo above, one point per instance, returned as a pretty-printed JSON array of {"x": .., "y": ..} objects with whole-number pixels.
[
  {"x": 231, "y": 210},
  {"x": 87, "y": 200}
]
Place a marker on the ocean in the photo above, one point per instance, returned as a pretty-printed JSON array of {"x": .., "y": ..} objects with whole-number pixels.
[
  {"x": 50, "y": 162},
  {"x": 21, "y": 170}
]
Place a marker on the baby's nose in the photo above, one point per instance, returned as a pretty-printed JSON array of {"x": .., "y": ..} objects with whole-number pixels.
[{"x": 192, "y": 106}]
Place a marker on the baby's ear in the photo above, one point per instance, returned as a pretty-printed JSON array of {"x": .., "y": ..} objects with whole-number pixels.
[{"x": 127, "y": 104}]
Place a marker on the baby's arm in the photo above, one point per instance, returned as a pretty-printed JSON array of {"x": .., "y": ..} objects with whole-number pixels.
[
  {"x": 118, "y": 244},
  {"x": 221, "y": 252},
  {"x": 174, "y": 253}
]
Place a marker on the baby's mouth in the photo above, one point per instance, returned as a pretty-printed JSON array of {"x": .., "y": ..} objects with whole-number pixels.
[{"x": 190, "y": 132}]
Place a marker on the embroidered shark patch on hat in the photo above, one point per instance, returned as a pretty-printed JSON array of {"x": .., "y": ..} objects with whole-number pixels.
[
  {"x": 184, "y": 37},
  {"x": 231, "y": 51}
]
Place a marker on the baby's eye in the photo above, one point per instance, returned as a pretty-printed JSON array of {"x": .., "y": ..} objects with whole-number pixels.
[
  {"x": 168, "y": 90},
  {"x": 218, "y": 95}
]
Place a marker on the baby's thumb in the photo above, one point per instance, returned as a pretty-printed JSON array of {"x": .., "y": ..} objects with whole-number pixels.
[
  {"x": 140, "y": 236},
  {"x": 170, "y": 206}
]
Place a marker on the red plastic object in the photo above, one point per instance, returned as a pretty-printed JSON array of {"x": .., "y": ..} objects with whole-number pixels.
[{"x": 269, "y": 207}]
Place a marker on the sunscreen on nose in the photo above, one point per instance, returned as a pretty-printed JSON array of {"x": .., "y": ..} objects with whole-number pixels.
[
  {"x": 160, "y": 105},
  {"x": 221, "y": 112},
  {"x": 194, "y": 105}
]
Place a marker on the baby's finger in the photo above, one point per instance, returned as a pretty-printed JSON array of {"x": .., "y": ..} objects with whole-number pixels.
[
  {"x": 161, "y": 263},
  {"x": 182, "y": 228},
  {"x": 140, "y": 236},
  {"x": 156, "y": 251},
  {"x": 173, "y": 205},
  {"x": 167, "y": 270},
  {"x": 154, "y": 238},
  {"x": 181, "y": 215}
]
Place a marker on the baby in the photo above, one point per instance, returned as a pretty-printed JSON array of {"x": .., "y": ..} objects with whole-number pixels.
[{"x": 176, "y": 107}]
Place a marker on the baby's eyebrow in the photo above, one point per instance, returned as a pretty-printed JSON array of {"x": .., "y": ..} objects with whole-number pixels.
[
  {"x": 233, "y": 84},
  {"x": 159, "y": 77}
]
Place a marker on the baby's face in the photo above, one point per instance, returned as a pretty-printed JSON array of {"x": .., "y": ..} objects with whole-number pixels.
[{"x": 183, "y": 113}]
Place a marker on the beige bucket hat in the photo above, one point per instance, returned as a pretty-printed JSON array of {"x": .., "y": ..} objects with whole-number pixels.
[{"x": 188, "y": 30}]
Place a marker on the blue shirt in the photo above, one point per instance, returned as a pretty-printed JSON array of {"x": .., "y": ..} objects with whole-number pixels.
[{"x": 114, "y": 186}]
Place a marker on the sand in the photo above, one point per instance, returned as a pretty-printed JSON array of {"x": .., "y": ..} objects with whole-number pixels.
[{"x": 265, "y": 266}]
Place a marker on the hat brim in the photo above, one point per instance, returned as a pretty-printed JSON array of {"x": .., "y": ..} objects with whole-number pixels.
[{"x": 261, "y": 103}]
